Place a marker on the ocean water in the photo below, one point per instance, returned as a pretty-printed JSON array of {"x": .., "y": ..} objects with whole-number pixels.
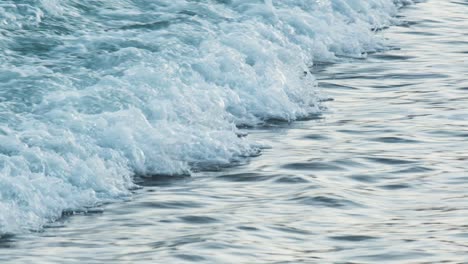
[{"x": 233, "y": 131}]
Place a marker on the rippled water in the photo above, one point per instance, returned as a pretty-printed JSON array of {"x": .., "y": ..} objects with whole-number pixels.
[{"x": 379, "y": 177}]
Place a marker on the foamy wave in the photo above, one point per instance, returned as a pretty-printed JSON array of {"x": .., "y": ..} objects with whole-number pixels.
[{"x": 94, "y": 92}]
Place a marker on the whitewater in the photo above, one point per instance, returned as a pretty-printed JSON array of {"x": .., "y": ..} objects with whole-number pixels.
[{"x": 95, "y": 92}]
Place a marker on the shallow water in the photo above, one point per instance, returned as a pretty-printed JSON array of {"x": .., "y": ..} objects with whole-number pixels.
[{"x": 381, "y": 177}]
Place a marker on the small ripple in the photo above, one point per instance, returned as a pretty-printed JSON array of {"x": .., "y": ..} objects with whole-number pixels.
[
  {"x": 194, "y": 219},
  {"x": 291, "y": 179},
  {"x": 435, "y": 209},
  {"x": 336, "y": 86},
  {"x": 396, "y": 186},
  {"x": 384, "y": 56},
  {"x": 457, "y": 180},
  {"x": 422, "y": 76},
  {"x": 351, "y": 131},
  {"x": 244, "y": 177},
  {"x": 349, "y": 163},
  {"x": 315, "y": 137},
  {"x": 420, "y": 33},
  {"x": 312, "y": 166},
  {"x": 390, "y": 161},
  {"x": 159, "y": 180},
  {"x": 291, "y": 230},
  {"x": 395, "y": 140},
  {"x": 414, "y": 169},
  {"x": 192, "y": 258},
  {"x": 171, "y": 204},
  {"x": 248, "y": 228},
  {"x": 398, "y": 85},
  {"x": 326, "y": 201},
  {"x": 177, "y": 242},
  {"x": 353, "y": 238},
  {"x": 397, "y": 256},
  {"x": 364, "y": 178}
]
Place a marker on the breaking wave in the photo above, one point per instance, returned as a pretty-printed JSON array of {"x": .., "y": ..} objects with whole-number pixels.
[{"x": 93, "y": 92}]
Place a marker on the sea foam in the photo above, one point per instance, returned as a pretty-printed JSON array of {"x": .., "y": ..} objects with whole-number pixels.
[{"x": 95, "y": 92}]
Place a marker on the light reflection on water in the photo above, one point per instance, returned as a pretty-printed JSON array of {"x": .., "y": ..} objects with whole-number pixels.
[{"x": 381, "y": 177}]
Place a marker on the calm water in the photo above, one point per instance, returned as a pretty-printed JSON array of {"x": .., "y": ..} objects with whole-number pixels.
[{"x": 381, "y": 177}]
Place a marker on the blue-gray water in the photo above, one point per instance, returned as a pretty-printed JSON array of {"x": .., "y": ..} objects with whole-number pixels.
[{"x": 379, "y": 177}]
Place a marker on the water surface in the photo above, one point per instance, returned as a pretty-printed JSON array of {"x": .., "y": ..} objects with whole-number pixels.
[{"x": 380, "y": 177}]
